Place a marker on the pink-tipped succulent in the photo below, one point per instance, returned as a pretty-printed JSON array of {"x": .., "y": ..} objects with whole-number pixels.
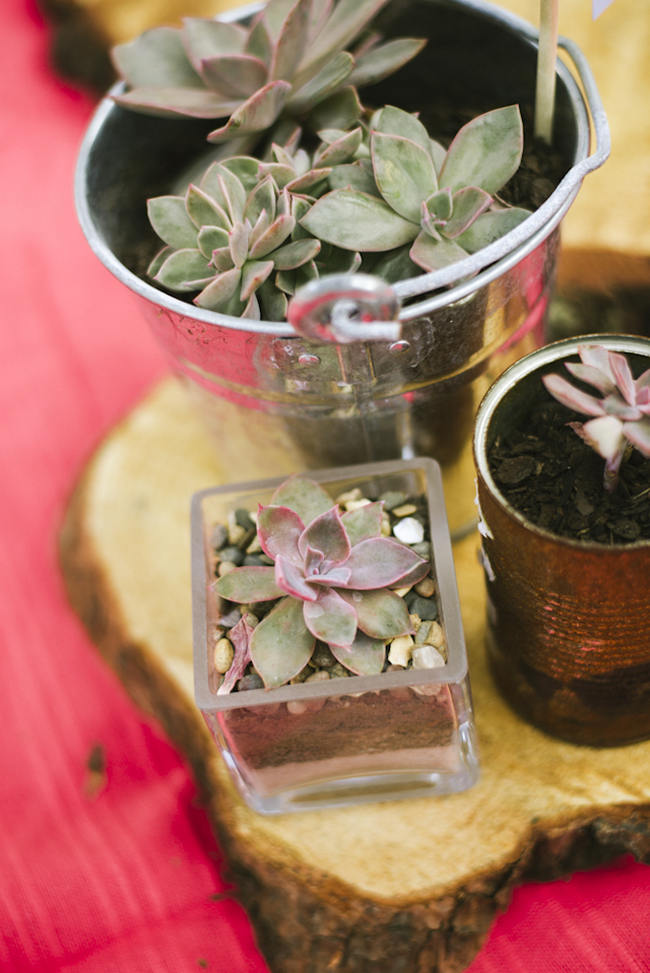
[
  {"x": 292, "y": 59},
  {"x": 621, "y": 418},
  {"x": 333, "y": 574}
]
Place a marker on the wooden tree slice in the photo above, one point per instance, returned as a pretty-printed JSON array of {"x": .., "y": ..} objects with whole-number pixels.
[{"x": 403, "y": 886}]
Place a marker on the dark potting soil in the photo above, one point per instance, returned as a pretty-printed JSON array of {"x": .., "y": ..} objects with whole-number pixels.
[{"x": 555, "y": 479}]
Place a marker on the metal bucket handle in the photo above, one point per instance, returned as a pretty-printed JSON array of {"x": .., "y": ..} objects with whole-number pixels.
[{"x": 359, "y": 307}]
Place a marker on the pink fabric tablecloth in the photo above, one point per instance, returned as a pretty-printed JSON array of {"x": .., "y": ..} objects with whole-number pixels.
[{"x": 129, "y": 878}]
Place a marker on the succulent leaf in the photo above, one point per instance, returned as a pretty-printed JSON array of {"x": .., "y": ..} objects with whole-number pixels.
[
  {"x": 170, "y": 220},
  {"x": 356, "y": 221},
  {"x": 255, "y": 114},
  {"x": 326, "y": 534},
  {"x": 572, "y": 397},
  {"x": 292, "y": 581},
  {"x": 341, "y": 109},
  {"x": 203, "y": 38},
  {"x": 291, "y": 42},
  {"x": 395, "y": 121},
  {"x": 380, "y": 614},
  {"x": 363, "y": 523},
  {"x": 404, "y": 173},
  {"x": 380, "y": 562},
  {"x": 216, "y": 296},
  {"x": 211, "y": 238},
  {"x": 254, "y": 273},
  {"x": 384, "y": 60},
  {"x": 240, "y": 637},
  {"x": 365, "y": 656},
  {"x": 323, "y": 84},
  {"x": 305, "y": 497},
  {"x": 184, "y": 270},
  {"x": 234, "y": 75},
  {"x": 356, "y": 175},
  {"x": 279, "y": 527},
  {"x": 248, "y": 585},
  {"x": 486, "y": 152},
  {"x": 281, "y": 645},
  {"x": 331, "y": 618},
  {"x": 490, "y": 226},
  {"x": 433, "y": 254},
  {"x": 156, "y": 58},
  {"x": 468, "y": 204}
]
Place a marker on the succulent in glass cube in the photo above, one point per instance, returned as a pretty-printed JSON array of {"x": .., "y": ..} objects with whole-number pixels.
[{"x": 331, "y": 580}]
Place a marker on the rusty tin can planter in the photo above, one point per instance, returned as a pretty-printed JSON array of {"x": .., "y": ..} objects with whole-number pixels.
[
  {"x": 358, "y": 739},
  {"x": 568, "y": 622},
  {"x": 309, "y": 393}
]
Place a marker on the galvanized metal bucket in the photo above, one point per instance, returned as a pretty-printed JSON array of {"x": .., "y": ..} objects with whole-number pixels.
[{"x": 361, "y": 371}]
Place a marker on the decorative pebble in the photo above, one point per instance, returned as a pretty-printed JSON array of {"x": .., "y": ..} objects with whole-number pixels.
[
  {"x": 223, "y": 655},
  {"x": 236, "y": 534},
  {"x": 253, "y": 560},
  {"x": 416, "y": 622},
  {"x": 321, "y": 675},
  {"x": 427, "y": 657},
  {"x": 356, "y": 504},
  {"x": 338, "y": 671},
  {"x": 250, "y": 681},
  {"x": 265, "y": 559},
  {"x": 426, "y": 587},
  {"x": 436, "y": 635},
  {"x": 243, "y": 518},
  {"x": 386, "y": 530},
  {"x": 232, "y": 554},
  {"x": 225, "y": 567},
  {"x": 409, "y": 531},
  {"x": 400, "y": 651},
  {"x": 254, "y": 547},
  {"x": 426, "y": 608},
  {"x": 321, "y": 657},
  {"x": 423, "y": 549},
  {"x": 403, "y": 592},
  {"x": 392, "y": 499},
  {"x": 405, "y": 510},
  {"x": 349, "y": 495},
  {"x": 422, "y": 633},
  {"x": 219, "y": 536}
]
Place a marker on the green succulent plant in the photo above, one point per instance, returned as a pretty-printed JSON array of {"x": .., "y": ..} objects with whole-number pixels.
[
  {"x": 413, "y": 196},
  {"x": 381, "y": 196},
  {"x": 331, "y": 580},
  {"x": 291, "y": 60}
]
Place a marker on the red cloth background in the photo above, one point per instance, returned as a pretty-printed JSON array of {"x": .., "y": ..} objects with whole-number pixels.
[{"x": 129, "y": 880}]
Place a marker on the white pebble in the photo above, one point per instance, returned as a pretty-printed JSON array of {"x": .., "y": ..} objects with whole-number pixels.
[
  {"x": 436, "y": 635},
  {"x": 409, "y": 531},
  {"x": 225, "y": 567},
  {"x": 400, "y": 651},
  {"x": 427, "y": 657}
]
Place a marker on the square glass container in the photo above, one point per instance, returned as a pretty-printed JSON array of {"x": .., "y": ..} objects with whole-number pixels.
[{"x": 406, "y": 733}]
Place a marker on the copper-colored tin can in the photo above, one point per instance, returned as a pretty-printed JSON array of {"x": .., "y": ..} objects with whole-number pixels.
[{"x": 568, "y": 626}]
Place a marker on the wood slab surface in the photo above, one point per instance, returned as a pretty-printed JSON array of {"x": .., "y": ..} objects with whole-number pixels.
[{"x": 404, "y": 886}]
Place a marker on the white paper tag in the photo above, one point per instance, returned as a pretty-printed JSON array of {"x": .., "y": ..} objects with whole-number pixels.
[{"x": 597, "y": 7}]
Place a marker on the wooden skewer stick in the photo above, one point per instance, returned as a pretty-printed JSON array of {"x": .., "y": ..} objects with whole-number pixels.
[{"x": 546, "y": 60}]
